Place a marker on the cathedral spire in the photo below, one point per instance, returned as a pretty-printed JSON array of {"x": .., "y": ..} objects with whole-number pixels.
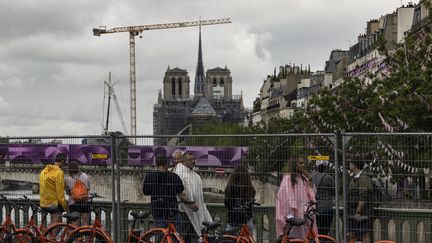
[{"x": 199, "y": 88}]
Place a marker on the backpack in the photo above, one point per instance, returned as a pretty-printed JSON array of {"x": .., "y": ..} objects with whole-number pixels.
[
  {"x": 319, "y": 205},
  {"x": 379, "y": 192},
  {"x": 79, "y": 191}
]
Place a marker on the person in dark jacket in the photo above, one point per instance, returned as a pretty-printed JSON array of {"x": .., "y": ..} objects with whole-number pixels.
[
  {"x": 238, "y": 193},
  {"x": 163, "y": 186},
  {"x": 325, "y": 186},
  {"x": 360, "y": 210}
]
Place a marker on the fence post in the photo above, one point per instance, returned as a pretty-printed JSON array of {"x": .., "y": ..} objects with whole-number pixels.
[
  {"x": 119, "y": 214},
  {"x": 336, "y": 165},
  {"x": 114, "y": 150},
  {"x": 344, "y": 188}
]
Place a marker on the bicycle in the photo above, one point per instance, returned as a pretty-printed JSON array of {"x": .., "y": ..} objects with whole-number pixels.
[
  {"x": 133, "y": 234},
  {"x": 92, "y": 232},
  {"x": 311, "y": 235},
  {"x": 57, "y": 232},
  {"x": 168, "y": 234},
  {"x": 8, "y": 227},
  {"x": 209, "y": 226},
  {"x": 239, "y": 234}
]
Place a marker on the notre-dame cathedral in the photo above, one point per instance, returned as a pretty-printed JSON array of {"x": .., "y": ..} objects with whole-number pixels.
[{"x": 177, "y": 111}]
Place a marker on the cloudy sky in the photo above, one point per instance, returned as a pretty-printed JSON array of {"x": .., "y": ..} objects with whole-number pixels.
[{"x": 52, "y": 68}]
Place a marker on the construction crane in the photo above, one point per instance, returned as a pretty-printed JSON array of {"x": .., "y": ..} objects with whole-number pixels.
[
  {"x": 137, "y": 30},
  {"x": 111, "y": 93}
]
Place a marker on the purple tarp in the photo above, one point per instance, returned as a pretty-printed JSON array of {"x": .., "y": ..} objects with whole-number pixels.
[{"x": 101, "y": 154}]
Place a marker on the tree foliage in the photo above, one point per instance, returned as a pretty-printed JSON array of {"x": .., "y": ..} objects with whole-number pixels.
[{"x": 399, "y": 99}]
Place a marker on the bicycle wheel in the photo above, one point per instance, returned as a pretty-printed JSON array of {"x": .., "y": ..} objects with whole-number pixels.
[
  {"x": 326, "y": 239},
  {"x": 89, "y": 235},
  {"x": 170, "y": 239},
  {"x": 153, "y": 236},
  {"x": 21, "y": 237},
  {"x": 55, "y": 231}
]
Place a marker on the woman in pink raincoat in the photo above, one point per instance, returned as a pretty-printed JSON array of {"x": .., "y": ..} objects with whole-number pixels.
[{"x": 295, "y": 191}]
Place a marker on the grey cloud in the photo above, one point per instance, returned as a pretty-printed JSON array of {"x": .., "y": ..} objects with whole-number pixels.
[
  {"x": 52, "y": 68},
  {"x": 60, "y": 19}
]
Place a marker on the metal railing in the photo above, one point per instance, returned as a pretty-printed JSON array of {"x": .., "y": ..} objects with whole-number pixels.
[{"x": 404, "y": 224}]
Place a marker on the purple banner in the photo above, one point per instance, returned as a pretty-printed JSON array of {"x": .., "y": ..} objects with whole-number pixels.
[{"x": 101, "y": 154}]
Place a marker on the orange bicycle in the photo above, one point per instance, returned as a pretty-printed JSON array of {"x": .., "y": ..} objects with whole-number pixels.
[
  {"x": 165, "y": 235},
  {"x": 57, "y": 232},
  {"x": 311, "y": 235},
  {"x": 209, "y": 226},
  {"x": 91, "y": 233},
  {"x": 239, "y": 234},
  {"x": 134, "y": 235},
  {"x": 244, "y": 236},
  {"x": 156, "y": 234},
  {"x": 7, "y": 228}
]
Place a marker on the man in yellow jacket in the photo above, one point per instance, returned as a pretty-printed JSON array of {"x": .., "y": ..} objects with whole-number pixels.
[{"x": 52, "y": 188}]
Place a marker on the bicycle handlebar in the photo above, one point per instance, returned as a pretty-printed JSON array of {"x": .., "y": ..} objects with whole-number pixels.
[
  {"x": 32, "y": 205},
  {"x": 94, "y": 195},
  {"x": 11, "y": 204},
  {"x": 310, "y": 212}
]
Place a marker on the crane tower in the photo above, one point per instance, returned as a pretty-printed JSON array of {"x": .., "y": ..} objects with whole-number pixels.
[{"x": 137, "y": 30}]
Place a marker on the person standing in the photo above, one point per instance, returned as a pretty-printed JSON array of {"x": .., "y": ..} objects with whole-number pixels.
[
  {"x": 295, "y": 191},
  {"x": 192, "y": 214},
  {"x": 177, "y": 157},
  {"x": 52, "y": 187},
  {"x": 163, "y": 186},
  {"x": 325, "y": 186},
  {"x": 360, "y": 208},
  {"x": 78, "y": 188},
  {"x": 239, "y": 193}
]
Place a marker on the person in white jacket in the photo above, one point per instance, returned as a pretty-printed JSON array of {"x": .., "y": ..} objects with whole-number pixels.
[{"x": 192, "y": 214}]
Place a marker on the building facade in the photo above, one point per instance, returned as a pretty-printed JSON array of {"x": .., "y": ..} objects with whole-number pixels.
[
  {"x": 366, "y": 56},
  {"x": 177, "y": 111},
  {"x": 282, "y": 93}
]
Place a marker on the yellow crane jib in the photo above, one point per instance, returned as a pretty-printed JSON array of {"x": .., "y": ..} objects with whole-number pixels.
[{"x": 140, "y": 28}]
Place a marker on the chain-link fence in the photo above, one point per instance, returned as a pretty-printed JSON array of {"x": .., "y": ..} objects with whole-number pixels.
[
  {"x": 385, "y": 177},
  {"x": 399, "y": 166}
]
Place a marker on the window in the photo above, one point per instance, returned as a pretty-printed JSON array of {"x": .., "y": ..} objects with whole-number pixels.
[
  {"x": 214, "y": 82},
  {"x": 222, "y": 81},
  {"x": 180, "y": 87},
  {"x": 173, "y": 87}
]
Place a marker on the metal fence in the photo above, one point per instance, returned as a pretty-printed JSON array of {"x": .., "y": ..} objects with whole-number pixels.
[{"x": 118, "y": 164}]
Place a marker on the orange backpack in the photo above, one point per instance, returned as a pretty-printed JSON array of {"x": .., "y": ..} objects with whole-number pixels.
[{"x": 79, "y": 191}]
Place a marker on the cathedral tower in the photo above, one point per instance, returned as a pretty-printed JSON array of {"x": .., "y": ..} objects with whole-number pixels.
[
  {"x": 219, "y": 82},
  {"x": 200, "y": 85},
  {"x": 176, "y": 84}
]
